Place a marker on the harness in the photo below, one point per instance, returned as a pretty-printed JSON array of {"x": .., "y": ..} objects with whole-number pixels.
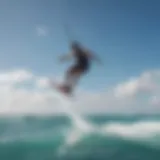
[{"x": 81, "y": 58}]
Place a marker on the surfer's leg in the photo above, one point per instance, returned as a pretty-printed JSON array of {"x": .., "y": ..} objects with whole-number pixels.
[{"x": 73, "y": 75}]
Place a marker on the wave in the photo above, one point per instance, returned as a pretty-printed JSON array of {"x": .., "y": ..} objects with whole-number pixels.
[
  {"x": 74, "y": 137},
  {"x": 47, "y": 136},
  {"x": 140, "y": 129},
  {"x": 137, "y": 131}
]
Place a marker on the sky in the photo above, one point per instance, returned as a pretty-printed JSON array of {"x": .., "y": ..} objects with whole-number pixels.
[{"x": 124, "y": 34}]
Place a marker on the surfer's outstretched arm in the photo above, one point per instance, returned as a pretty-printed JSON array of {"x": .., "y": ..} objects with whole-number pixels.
[{"x": 66, "y": 57}]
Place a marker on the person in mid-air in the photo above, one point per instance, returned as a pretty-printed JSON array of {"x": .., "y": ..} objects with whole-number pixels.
[{"x": 83, "y": 58}]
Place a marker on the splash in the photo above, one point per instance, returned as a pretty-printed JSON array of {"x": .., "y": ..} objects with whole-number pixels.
[
  {"x": 80, "y": 126},
  {"x": 76, "y": 119}
]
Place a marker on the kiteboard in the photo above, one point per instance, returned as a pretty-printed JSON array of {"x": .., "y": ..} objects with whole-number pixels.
[{"x": 59, "y": 87}]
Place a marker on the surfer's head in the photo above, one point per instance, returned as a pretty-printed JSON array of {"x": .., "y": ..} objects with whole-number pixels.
[{"x": 75, "y": 45}]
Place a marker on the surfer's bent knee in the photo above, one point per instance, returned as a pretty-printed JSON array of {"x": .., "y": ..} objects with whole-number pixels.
[{"x": 80, "y": 69}]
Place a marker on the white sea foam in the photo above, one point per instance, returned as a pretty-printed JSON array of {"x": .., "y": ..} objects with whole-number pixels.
[{"x": 143, "y": 129}]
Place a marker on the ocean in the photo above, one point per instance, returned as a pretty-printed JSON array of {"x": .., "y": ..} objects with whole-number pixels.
[{"x": 94, "y": 137}]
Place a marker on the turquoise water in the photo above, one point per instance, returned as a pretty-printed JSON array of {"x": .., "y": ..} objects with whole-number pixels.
[{"x": 57, "y": 138}]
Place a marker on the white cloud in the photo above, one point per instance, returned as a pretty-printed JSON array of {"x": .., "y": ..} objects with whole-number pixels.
[
  {"x": 144, "y": 83},
  {"x": 42, "y": 82},
  {"x": 155, "y": 101},
  {"x": 24, "y": 92},
  {"x": 42, "y": 30},
  {"x": 15, "y": 76},
  {"x": 137, "y": 95}
]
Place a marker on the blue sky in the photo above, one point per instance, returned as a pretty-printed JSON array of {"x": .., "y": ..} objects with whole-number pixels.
[{"x": 124, "y": 34}]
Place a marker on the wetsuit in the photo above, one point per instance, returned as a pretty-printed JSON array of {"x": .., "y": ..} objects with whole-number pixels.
[
  {"x": 81, "y": 66},
  {"x": 82, "y": 62}
]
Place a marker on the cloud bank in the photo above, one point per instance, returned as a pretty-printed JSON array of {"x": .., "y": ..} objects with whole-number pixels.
[{"x": 23, "y": 92}]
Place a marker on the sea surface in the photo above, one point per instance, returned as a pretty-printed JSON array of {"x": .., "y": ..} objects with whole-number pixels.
[{"x": 96, "y": 137}]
